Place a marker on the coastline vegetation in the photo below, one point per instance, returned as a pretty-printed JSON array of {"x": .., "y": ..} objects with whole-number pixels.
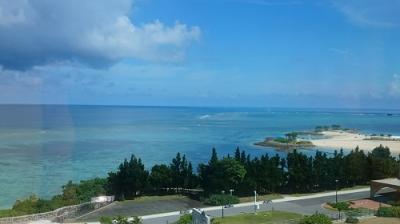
[
  {"x": 290, "y": 141},
  {"x": 297, "y": 173},
  {"x": 333, "y": 127}
]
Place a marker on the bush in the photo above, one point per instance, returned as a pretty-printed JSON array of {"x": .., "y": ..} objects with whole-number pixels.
[
  {"x": 352, "y": 220},
  {"x": 105, "y": 220},
  {"x": 281, "y": 140},
  {"x": 341, "y": 206},
  {"x": 221, "y": 199},
  {"x": 137, "y": 220},
  {"x": 185, "y": 219},
  {"x": 394, "y": 203},
  {"x": 389, "y": 212},
  {"x": 316, "y": 219},
  {"x": 122, "y": 220}
]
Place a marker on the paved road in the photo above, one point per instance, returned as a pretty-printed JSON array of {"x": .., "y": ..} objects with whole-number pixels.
[
  {"x": 302, "y": 205},
  {"x": 141, "y": 208}
]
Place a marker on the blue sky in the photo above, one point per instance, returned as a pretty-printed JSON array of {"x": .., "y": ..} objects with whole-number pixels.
[{"x": 269, "y": 53}]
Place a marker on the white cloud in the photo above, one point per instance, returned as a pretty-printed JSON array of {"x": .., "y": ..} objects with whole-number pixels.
[
  {"x": 150, "y": 41},
  {"x": 395, "y": 85},
  {"x": 370, "y": 12},
  {"x": 37, "y": 32},
  {"x": 11, "y": 13}
]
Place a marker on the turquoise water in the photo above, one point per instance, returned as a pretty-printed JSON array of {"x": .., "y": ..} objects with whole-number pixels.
[{"x": 42, "y": 147}]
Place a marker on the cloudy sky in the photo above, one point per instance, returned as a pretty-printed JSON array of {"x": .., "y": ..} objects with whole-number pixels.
[{"x": 270, "y": 53}]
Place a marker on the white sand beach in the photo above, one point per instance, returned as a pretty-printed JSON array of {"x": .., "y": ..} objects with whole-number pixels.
[{"x": 347, "y": 140}]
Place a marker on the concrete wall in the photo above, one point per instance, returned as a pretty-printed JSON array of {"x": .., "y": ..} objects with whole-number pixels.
[
  {"x": 199, "y": 217},
  {"x": 58, "y": 215}
]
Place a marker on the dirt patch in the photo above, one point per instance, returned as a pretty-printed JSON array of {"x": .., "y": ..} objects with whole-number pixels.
[
  {"x": 380, "y": 221},
  {"x": 367, "y": 203}
]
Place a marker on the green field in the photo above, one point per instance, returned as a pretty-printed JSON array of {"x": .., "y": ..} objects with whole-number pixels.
[
  {"x": 265, "y": 197},
  {"x": 261, "y": 218},
  {"x": 6, "y": 213}
]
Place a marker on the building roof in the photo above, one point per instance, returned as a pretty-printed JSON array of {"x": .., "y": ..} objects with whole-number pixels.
[{"x": 390, "y": 182}]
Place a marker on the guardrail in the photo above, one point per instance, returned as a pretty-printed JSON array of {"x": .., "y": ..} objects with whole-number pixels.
[{"x": 58, "y": 215}]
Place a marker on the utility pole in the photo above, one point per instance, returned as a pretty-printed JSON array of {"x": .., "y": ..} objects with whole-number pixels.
[
  {"x": 255, "y": 201},
  {"x": 336, "y": 182},
  {"x": 222, "y": 207}
]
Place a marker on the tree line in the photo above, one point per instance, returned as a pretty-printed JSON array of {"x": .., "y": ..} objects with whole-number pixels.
[{"x": 296, "y": 173}]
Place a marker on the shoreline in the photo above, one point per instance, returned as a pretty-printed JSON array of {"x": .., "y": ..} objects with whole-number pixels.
[{"x": 350, "y": 140}]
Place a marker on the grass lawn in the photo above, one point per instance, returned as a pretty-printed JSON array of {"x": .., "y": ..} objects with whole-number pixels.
[
  {"x": 265, "y": 197},
  {"x": 5, "y": 213},
  {"x": 261, "y": 218}
]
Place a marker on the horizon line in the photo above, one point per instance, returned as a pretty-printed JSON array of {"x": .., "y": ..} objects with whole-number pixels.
[{"x": 197, "y": 106}]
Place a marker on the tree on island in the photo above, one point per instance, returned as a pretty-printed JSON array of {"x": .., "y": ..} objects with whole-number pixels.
[{"x": 291, "y": 137}]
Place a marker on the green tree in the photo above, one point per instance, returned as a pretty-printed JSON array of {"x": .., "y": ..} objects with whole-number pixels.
[
  {"x": 182, "y": 173},
  {"x": 381, "y": 163},
  {"x": 356, "y": 167},
  {"x": 230, "y": 172},
  {"x": 75, "y": 193},
  {"x": 160, "y": 177},
  {"x": 299, "y": 168},
  {"x": 214, "y": 157},
  {"x": 291, "y": 137},
  {"x": 27, "y": 206},
  {"x": 321, "y": 177},
  {"x": 70, "y": 194},
  {"x": 270, "y": 174},
  {"x": 185, "y": 219},
  {"x": 220, "y": 175},
  {"x": 130, "y": 180}
]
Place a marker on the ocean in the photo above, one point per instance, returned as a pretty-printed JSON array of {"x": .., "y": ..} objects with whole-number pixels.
[{"x": 44, "y": 146}]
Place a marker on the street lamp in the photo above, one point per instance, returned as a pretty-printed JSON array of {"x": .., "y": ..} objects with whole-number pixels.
[
  {"x": 255, "y": 201},
  {"x": 336, "y": 184},
  {"x": 222, "y": 209}
]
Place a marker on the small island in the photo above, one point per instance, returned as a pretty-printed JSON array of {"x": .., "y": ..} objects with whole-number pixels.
[
  {"x": 332, "y": 137},
  {"x": 290, "y": 141}
]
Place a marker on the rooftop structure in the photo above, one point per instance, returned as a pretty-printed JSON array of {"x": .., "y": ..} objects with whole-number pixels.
[{"x": 377, "y": 185}]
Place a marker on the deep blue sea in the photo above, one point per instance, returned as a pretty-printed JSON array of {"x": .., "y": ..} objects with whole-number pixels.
[{"x": 42, "y": 147}]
